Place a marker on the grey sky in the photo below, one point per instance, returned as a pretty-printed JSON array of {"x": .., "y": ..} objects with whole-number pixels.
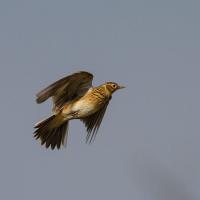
[{"x": 148, "y": 145}]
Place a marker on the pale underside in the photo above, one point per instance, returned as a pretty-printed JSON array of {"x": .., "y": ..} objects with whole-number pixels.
[{"x": 83, "y": 107}]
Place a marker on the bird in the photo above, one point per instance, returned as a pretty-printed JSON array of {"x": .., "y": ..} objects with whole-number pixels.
[{"x": 73, "y": 97}]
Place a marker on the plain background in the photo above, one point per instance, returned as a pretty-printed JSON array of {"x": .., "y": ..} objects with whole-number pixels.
[{"x": 148, "y": 145}]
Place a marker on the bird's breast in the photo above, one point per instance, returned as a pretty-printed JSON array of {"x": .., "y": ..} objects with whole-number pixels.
[
  {"x": 84, "y": 107},
  {"x": 91, "y": 102},
  {"x": 87, "y": 105}
]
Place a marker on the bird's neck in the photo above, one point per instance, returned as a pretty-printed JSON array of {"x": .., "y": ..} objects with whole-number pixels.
[{"x": 107, "y": 91}]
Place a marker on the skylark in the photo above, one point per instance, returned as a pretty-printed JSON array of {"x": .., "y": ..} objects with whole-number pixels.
[{"x": 73, "y": 97}]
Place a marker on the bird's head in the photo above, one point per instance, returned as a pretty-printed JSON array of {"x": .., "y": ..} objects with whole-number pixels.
[{"x": 112, "y": 87}]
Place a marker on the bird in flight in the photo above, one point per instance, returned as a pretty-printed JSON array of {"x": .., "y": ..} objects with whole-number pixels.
[{"x": 73, "y": 97}]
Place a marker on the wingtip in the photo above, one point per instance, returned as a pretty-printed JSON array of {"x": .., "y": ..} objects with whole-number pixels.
[{"x": 38, "y": 101}]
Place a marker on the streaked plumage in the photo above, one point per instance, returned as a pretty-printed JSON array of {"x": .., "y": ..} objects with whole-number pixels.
[{"x": 73, "y": 98}]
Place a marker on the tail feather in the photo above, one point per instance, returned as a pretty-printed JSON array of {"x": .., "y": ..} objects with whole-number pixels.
[
  {"x": 51, "y": 133},
  {"x": 42, "y": 123}
]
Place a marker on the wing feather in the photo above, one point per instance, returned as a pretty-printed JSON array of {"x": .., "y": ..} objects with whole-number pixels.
[
  {"x": 66, "y": 89},
  {"x": 93, "y": 123}
]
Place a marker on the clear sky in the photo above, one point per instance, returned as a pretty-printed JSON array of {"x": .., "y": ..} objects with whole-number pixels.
[{"x": 147, "y": 147}]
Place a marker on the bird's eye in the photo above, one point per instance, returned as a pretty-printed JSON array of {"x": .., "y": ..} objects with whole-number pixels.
[{"x": 114, "y": 86}]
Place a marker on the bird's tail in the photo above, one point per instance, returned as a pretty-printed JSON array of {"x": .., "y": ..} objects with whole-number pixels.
[{"x": 52, "y": 131}]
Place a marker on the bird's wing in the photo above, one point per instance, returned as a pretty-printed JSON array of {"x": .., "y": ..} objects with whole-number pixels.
[
  {"x": 66, "y": 89},
  {"x": 93, "y": 123}
]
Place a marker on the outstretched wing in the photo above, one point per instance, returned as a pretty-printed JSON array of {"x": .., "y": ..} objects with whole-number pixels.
[
  {"x": 93, "y": 123},
  {"x": 66, "y": 89}
]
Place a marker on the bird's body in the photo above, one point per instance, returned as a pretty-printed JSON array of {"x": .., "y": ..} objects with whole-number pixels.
[{"x": 86, "y": 103}]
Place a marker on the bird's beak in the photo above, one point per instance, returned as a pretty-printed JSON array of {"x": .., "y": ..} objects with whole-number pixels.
[{"x": 121, "y": 86}]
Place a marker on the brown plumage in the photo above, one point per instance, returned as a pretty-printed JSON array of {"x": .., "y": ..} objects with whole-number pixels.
[{"x": 73, "y": 98}]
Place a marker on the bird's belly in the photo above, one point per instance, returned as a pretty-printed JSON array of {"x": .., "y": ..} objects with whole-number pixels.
[{"x": 84, "y": 108}]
